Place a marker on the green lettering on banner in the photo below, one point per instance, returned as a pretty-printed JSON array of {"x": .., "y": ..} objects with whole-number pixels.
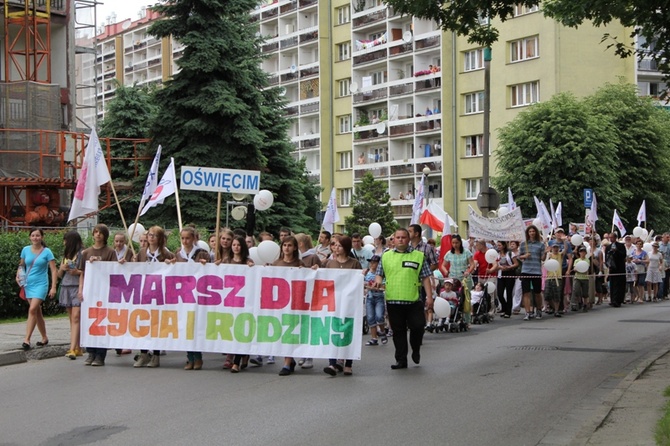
[
  {"x": 345, "y": 328},
  {"x": 265, "y": 325},
  {"x": 219, "y": 326},
  {"x": 245, "y": 327},
  {"x": 304, "y": 329},
  {"x": 290, "y": 321},
  {"x": 320, "y": 330}
]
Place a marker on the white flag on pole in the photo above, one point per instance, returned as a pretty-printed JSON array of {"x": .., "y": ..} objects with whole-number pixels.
[
  {"x": 557, "y": 214},
  {"x": 94, "y": 173},
  {"x": 418, "y": 204},
  {"x": 616, "y": 221},
  {"x": 593, "y": 212},
  {"x": 642, "y": 213},
  {"x": 331, "y": 216},
  {"x": 152, "y": 178},
  {"x": 165, "y": 188},
  {"x": 510, "y": 199},
  {"x": 554, "y": 222}
]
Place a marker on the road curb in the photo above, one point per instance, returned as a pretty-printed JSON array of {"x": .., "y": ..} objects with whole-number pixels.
[
  {"x": 20, "y": 356},
  {"x": 12, "y": 357},
  {"x": 601, "y": 414}
]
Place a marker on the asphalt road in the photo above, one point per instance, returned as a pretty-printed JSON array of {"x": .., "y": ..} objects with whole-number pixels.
[{"x": 507, "y": 383}]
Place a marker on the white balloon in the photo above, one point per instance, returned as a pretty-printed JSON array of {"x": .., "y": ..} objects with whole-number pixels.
[
  {"x": 375, "y": 230},
  {"x": 537, "y": 223},
  {"x": 637, "y": 231},
  {"x": 647, "y": 247},
  {"x": 263, "y": 200},
  {"x": 645, "y": 234},
  {"x": 466, "y": 244},
  {"x": 490, "y": 287},
  {"x": 503, "y": 210},
  {"x": 577, "y": 240},
  {"x": 552, "y": 265},
  {"x": 368, "y": 240},
  {"x": 139, "y": 230},
  {"x": 582, "y": 267},
  {"x": 441, "y": 307},
  {"x": 370, "y": 247},
  {"x": 491, "y": 255},
  {"x": 268, "y": 251},
  {"x": 253, "y": 255},
  {"x": 203, "y": 245}
]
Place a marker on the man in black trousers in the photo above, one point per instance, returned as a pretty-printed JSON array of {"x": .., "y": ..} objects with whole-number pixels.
[{"x": 615, "y": 257}]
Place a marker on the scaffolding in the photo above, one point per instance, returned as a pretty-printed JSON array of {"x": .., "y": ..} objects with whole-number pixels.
[{"x": 28, "y": 41}]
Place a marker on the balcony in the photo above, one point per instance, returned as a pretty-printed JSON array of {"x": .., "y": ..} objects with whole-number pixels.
[
  {"x": 647, "y": 65},
  {"x": 288, "y": 43},
  {"x": 309, "y": 108},
  {"x": 283, "y": 9},
  {"x": 399, "y": 90},
  {"x": 373, "y": 95},
  {"x": 399, "y": 130},
  {"x": 401, "y": 49},
  {"x": 368, "y": 19},
  {"x": 270, "y": 14},
  {"x": 435, "y": 167},
  {"x": 273, "y": 80},
  {"x": 287, "y": 77},
  {"x": 377, "y": 172},
  {"x": 309, "y": 36},
  {"x": 370, "y": 57},
  {"x": 429, "y": 42},
  {"x": 308, "y": 72},
  {"x": 431, "y": 82},
  {"x": 270, "y": 47},
  {"x": 307, "y": 3},
  {"x": 310, "y": 143},
  {"x": 292, "y": 111}
]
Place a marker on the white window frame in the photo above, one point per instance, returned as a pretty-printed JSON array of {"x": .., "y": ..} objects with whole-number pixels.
[
  {"x": 346, "y": 160},
  {"x": 345, "y": 124},
  {"x": 520, "y": 9},
  {"x": 474, "y": 102},
  {"x": 474, "y": 60},
  {"x": 345, "y": 196},
  {"x": 344, "y": 51},
  {"x": 476, "y": 142},
  {"x": 344, "y": 86},
  {"x": 524, "y": 49},
  {"x": 379, "y": 77},
  {"x": 343, "y": 14},
  {"x": 524, "y": 94},
  {"x": 473, "y": 187}
]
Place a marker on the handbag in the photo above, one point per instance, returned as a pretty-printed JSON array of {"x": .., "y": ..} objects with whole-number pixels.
[{"x": 22, "y": 290}]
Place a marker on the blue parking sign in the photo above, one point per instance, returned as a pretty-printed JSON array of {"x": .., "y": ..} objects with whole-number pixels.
[{"x": 588, "y": 198}]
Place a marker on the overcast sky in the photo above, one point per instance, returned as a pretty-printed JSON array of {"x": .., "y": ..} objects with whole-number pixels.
[{"x": 124, "y": 9}]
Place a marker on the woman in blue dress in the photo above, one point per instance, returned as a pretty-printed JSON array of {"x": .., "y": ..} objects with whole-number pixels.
[{"x": 36, "y": 259}]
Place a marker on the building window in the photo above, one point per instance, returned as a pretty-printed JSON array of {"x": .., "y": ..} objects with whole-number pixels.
[
  {"x": 345, "y": 160},
  {"x": 344, "y": 50},
  {"x": 345, "y": 197},
  {"x": 378, "y": 77},
  {"x": 474, "y": 103},
  {"x": 472, "y": 188},
  {"x": 345, "y": 124},
  {"x": 474, "y": 145},
  {"x": 524, "y": 49},
  {"x": 521, "y": 9},
  {"x": 344, "y": 85},
  {"x": 474, "y": 60},
  {"x": 343, "y": 14},
  {"x": 525, "y": 94}
]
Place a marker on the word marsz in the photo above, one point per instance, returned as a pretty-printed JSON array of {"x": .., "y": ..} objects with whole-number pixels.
[
  {"x": 243, "y": 328},
  {"x": 211, "y": 290}
]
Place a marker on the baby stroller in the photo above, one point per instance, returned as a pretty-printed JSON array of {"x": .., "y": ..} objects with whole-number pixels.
[
  {"x": 454, "y": 323},
  {"x": 482, "y": 315}
]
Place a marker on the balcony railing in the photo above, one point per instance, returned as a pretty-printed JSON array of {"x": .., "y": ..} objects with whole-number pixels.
[
  {"x": 647, "y": 65},
  {"x": 310, "y": 143},
  {"x": 314, "y": 71},
  {"x": 308, "y": 37},
  {"x": 428, "y": 84},
  {"x": 435, "y": 167},
  {"x": 283, "y": 9},
  {"x": 428, "y": 42},
  {"x": 287, "y": 43},
  {"x": 380, "y": 93},
  {"x": 273, "y": 80},
  {"x": 398, "y": 90},
  {"x": 270, "y": 14},
  {"x": 309, "y": 108},
  {"x": 306, "y": 3},
  {"x": 401, "y": 49},
  {"x": 427, "y": 126},
  {"x": 376, "y": 172},
  {"x": 292, "y": 111},
  {"x": 401, "y": 130},
  {"x": 403, "y": 169},
  {"x": 287, "y": 77},
  {"x": 370, "y": 57},
  {"x": 270, "y": 47},
  {"x": 368, "y": 19}
]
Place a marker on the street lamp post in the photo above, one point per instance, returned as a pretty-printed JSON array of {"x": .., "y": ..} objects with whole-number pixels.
[{"x": 426, "y": 172}]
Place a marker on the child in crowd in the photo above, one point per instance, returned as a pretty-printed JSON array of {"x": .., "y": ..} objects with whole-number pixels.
[
  {"x": 450, "y": 296},
  {"x": 630, "y": 279},
  {"x": 476, "y": 296},
  {"x": 374, "y": 304}
]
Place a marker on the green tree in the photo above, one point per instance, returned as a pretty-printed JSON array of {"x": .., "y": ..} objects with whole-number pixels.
[
  {"x": 570, "y": 148},
  {"x": 646, "y": 18},
  {"x": 129, "y": 115},
  {"x": 371, "y": 203},
  {"x": 218, "y": 112},
  {"x": 643, "y": 151}
]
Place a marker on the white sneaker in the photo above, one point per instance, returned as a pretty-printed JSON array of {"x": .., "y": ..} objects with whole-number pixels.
[
  {"x": 271, "y": 359},
  {"x": 142, "y": 360},
  {"x": 526, "y": 317},
  {"x": 307, "y": 363},
  {"x": 154, "y": 362}
]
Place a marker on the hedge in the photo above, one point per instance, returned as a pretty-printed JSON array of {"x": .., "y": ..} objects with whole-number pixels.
[{"x": 11, "y": 244}]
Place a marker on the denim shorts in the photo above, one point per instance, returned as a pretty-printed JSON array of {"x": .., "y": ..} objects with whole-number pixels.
[{"x": 375, "y": 309}]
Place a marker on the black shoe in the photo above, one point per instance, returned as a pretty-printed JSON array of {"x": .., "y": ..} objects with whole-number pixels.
[
  {"x": 339, "y": 367},
  {"x": 292, "y": 368},
  {"x": 41, "y": 344},
  {"x": 330, "y": 370},
  {"x": 557, "y": 315},
  {"x": 416, "y": 357},
  {"x": 399, "y": 365},
  {"x": 285, "y": 371},
  {"x": 25, "y": 347}
]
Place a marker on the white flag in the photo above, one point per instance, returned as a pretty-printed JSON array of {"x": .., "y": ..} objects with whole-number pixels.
[
  {"x": 616, "y": 221},
  {"x": 418, "y": 204},
  {"x": 165, "y": 188},
  {"x": 642, "y": 213},
  {"x": 557, "y": 214},
  {"x": 510, "y": 199},
  {"x": 542, "y": 214},
  {"x": 593, "y": 212},
  {"x": 554, "y": 222},
  {"x": 93, "y": 174},
  {"x": 152, "y": 178},
  {"x": 331, "y": 216}
]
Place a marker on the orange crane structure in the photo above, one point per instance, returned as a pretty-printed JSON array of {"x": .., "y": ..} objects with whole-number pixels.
[{"x": 40, "y": 149}]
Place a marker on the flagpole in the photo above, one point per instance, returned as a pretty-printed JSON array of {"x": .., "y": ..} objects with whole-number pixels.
[
  {"x": 137, "y": 219},
  {"x": 176, "y": 196},
  {"x": 123, "y": 219},
  {"x": 218, "y": 217}
]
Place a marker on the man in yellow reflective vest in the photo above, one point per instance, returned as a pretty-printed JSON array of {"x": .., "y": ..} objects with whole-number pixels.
[{"x": 404, "y": 270}]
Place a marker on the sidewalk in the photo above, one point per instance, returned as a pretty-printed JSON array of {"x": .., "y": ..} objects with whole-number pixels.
[{"x": 627, "y": 415}]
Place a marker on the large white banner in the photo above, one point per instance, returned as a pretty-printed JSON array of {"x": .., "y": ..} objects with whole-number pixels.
[
  {"x": 262, "y": 310},
  {"x": 507, "y": 227}
]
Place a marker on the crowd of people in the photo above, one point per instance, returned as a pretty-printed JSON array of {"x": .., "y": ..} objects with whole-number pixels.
[{"x": 403, "y": 277}]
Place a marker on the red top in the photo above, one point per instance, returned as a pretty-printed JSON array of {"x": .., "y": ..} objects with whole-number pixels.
[{"x": 482, "y": 264}]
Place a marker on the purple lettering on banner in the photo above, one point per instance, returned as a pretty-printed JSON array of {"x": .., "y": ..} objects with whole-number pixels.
[
  {"x": 153, "y": 289},
  {"x": 205, "y": 286},
  {"x": 120, "y": 290},
  {"x": 179, "y": 288},
  {"x": 232, "y": 299}
]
